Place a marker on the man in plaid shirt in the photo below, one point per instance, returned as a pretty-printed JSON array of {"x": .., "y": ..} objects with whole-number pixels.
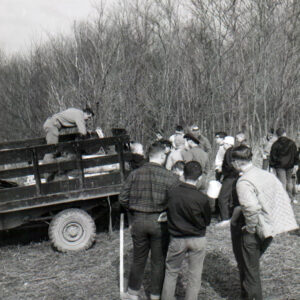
[{"x": 144, "y": 195}]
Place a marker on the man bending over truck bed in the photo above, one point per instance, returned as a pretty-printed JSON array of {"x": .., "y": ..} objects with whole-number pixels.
[{"x": 71, "y": 117}]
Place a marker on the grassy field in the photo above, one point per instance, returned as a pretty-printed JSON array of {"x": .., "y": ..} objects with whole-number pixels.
[{"x": 33, "y": 270}]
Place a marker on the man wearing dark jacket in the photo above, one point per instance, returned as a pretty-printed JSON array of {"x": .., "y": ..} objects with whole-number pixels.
[
  {"x": 284, "y": 159},
  {"x": 230, "y": 176},
  {"x": 188, "y": 215}
]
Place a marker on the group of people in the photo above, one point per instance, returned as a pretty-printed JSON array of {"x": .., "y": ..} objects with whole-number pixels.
[
  {"x": 169, "y": 210},
  {"x": 280, "y": 156}
]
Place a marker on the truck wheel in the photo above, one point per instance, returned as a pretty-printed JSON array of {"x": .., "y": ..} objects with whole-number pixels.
[{"x": 72, "y": 230}]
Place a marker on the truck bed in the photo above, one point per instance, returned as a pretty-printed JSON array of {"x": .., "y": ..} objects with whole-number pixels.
[{"x": 25, "y": 158}]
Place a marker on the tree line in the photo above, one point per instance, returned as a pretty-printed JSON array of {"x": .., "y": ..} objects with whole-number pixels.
[{"x": 146, "y": 65}]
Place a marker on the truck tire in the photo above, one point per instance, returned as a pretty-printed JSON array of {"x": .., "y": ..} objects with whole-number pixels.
[{"x": 72, "y": 230}]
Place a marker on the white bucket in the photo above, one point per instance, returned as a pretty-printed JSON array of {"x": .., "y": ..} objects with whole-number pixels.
[{"x": 214, "y": 188}]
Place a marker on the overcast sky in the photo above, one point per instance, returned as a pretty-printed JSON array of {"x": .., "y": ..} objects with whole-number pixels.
[{"x": 25, "y": 21}]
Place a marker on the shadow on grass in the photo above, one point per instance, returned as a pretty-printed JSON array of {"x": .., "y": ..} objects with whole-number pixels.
[
  {"x": 24, "y": 235},
  {"x": 221, "y": 275},
  {"x": 218, "y": 275}
]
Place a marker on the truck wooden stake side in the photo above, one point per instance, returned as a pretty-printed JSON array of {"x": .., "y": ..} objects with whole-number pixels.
[{"x": 83, "y": 183}]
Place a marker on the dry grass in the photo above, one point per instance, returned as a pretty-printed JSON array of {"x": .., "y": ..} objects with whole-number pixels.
[{"x": 35, "y": 271}]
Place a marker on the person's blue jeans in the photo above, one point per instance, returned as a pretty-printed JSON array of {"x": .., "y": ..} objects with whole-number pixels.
[
  {"x": 178, "y": 248},
  {"x": 148, "y": 235}
]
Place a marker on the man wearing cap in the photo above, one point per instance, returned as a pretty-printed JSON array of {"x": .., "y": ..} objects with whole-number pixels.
[
  {"x": 230, "y": 175},
  {"x": 203, "y": 141}
]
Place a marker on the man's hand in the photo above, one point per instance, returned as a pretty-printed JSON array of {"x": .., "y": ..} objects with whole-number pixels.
[
  {"x": 223, "y": 224},
  {"x": 244, "y": 229},
  {"x": 218, "y": 169}
]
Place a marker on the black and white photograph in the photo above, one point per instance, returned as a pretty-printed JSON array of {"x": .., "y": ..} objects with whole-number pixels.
[{"x": 149, "y": 150}]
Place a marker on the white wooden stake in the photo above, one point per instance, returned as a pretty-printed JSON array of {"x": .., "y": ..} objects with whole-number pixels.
[
  {"x": 110, "y": 217},
  {"x": 121, "y": 255}
]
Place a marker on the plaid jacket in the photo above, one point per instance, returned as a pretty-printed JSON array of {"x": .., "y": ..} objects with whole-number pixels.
[{"x": 145, "y": 189}]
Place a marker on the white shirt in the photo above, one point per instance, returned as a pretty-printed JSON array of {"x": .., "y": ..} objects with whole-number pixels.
[{"x": 219, "y": 158}]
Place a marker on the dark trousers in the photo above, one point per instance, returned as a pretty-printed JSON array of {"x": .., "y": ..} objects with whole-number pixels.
[
  {"x": 253, "y": 248},
  {"x": 148, "y": 235},
  {"x": 285, "y": 176},
  {"x": 236, "y": 239},
  {"x": 225, "y": 197},
  {"x": 218, "y": 175},
  {"x": 247, "y": 249}
]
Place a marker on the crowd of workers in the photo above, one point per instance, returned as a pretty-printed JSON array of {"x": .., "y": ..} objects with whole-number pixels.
[
  {"x": 169, "y": 210},
  {"x": 252, "y": 201}
]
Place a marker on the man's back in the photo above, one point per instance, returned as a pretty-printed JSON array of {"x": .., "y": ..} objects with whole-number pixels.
[
  {"x": 71, "y": 117},
  {"x": 265, "y": 183},
  {"x": 173, "y": 157},
  {"x": 283, "y": 153},
  {"x": 177, "y": 139},
  {"x": 199, "y": 155},
  {"x": 268, "y": 145},
  {"x": 188, "y": 211},
  {"x": 204, "y": 143},
  {"x": 146, "y": 188},
  {"x": 273, "y": 203}
]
